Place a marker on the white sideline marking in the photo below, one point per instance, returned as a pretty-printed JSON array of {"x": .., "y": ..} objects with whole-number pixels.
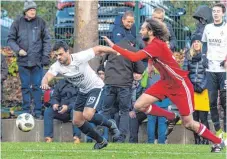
[{"x": 115, "y": 151}]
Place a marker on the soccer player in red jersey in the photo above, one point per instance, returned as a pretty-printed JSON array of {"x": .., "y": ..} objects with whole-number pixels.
[{"x": 174, "y": 83}]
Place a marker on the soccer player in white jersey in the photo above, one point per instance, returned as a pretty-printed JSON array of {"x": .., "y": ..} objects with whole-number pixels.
[
  {"x": 76, "y": 69},
  {"x": 214, "y": 58}
]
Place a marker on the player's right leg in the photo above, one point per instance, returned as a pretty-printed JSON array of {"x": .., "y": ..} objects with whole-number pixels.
[
  {"x": 202, "y": 131},
  {"x": 153, "y": 94},
  {"x": 184, "y": 100}
]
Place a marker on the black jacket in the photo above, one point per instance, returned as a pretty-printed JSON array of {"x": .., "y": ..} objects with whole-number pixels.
[
  {"x": 172, "y": 37},
  {"x": 31, "y": 36},
  {"x": 204, "y": 12},
  {"x": 64, "y": 93},
  {"x": 119, "y": 70},
  {"x": 4, "y": 68},
  {"x": 197, "y": 72}
]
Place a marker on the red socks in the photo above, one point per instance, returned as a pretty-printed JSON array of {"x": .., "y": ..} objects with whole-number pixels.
[
  {"x": 206, "y": 133},
  {"x": 157, "y": 111}
]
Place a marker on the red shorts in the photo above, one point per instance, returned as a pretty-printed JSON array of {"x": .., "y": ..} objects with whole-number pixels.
[{"x": 182, "y": 94}]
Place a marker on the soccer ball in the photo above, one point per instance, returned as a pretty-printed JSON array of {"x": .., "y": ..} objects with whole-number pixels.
[{"x": 25, "y": 122}]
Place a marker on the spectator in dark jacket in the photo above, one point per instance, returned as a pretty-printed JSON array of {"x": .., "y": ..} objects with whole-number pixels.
[
  {"x": 119, "y": 74},
  {"x": 30, "y": 40},
  {"x": 4, "y": 72},
  {"x": 197, "y": 75},
  {"x": 4, "y": 69},
  {"x": 159, "y": 14},
  {"x": 62, "y": 101},
  {"x": 203, "y": 15},
  {"x": 193, "y": 63},
  {"x": 124, "y": 28}
]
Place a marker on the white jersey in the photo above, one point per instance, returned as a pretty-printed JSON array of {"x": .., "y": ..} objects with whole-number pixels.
[
  {"x": 216, "y": 38},
  {"x": 79, "y": 72}
]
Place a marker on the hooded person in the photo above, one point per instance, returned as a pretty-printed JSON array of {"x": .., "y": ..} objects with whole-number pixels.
[{"x": 204, "y": 16}]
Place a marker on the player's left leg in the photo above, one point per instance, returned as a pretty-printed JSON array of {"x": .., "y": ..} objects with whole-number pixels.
[
  {"x": 184, "y": 100},
  {"x": 201, "y": 130},
  {"x": 153, "y": 94}
]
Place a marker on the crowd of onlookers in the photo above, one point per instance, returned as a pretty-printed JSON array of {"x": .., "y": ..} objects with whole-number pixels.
[{"x": 125, "y": 80}]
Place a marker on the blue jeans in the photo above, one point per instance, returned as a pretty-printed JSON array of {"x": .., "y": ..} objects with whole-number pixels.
[
  {"x": 50, "y": 115},
  {"x": 161, "y": 129},
  {"x": 123, "y": 95},
  {"x": 30, "y": 86}
]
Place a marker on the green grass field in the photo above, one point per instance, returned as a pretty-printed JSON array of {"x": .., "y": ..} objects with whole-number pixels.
[{"x": 112, "y": 151}]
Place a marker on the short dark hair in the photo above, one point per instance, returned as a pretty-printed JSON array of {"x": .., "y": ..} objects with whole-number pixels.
[
  {"x": 128, "y": 13},
  {"x": 101, "y": 68},
  {"x": 221, "y": 6},
  {"x": 60, "y": 44}
]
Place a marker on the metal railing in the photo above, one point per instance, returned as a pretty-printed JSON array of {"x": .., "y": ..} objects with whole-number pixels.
[{"x": 61, "y": 22}]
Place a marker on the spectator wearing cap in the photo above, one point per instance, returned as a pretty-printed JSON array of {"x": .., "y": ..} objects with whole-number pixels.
[
  {"x": 197, "y": 74},
  {"x": 30, "y": 40}
]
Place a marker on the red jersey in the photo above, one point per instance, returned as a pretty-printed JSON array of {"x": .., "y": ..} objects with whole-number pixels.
[
  {"x": 161, "y": 57},
  {"x": 163, "y": 60}
]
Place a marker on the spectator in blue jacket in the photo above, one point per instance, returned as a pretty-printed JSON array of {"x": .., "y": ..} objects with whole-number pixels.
[
  {"x": 30, "y": 40},
  {"x": 124, "y": 28},
  {"x": 62, "y": 101}
]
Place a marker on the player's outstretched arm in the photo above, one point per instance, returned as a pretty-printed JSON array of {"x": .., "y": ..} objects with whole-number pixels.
[
  {"x": 101, "y": 50},
  {"x": 46, "y": 79},
  {"x": 133, "y": 56}
]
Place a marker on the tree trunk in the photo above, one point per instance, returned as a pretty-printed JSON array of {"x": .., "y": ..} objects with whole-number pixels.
[{"x": 86, "y": 27}]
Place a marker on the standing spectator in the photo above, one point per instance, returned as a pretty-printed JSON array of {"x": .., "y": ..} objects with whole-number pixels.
[
  {"x": 4, "y": 69},
  {"x": 214, "y": 59},
  {"x": 159, "y": 14},
  {"x": 203, "y": 15},
  {"x": 136, "y": 118},
  {"x": 124, "y": 28},
  {"x": 30, "y": 40},
  {"x": 197, "y": 75},
  {"x": 62, "y": 103},
  {"x": 4, "y": 72},
  {"x": 119, "y": 75},
  {"x": 159, "y": 122},
  {"x": 156, "y": 125}
]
